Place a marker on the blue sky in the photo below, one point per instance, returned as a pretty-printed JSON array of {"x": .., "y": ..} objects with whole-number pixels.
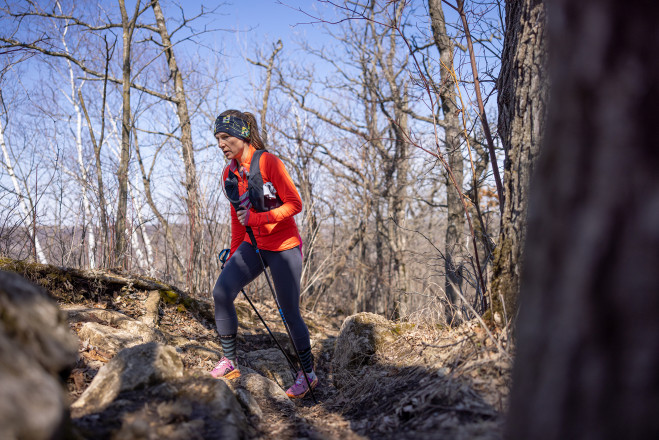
[
  {"x": 273, "y": 18},
  {"x": 265, "y": 20}
]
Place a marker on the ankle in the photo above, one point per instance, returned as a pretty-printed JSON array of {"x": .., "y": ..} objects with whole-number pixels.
[
  {"x": 306, "y": 359},
  {"x": 228, "y": 343}
]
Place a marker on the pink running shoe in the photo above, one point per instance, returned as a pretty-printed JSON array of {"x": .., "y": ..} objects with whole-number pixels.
[
  {"x": 300, "y": 387},
  {"x": 226, "y": 369}
]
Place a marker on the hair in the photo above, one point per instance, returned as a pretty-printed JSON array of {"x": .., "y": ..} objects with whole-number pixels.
[{"x": 254, "y": 133}]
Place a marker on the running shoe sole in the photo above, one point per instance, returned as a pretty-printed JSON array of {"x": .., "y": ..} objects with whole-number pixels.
[{"x": 235, "y": 374}]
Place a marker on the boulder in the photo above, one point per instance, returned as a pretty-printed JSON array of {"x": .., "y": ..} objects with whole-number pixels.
[
  {"x": 112, "y": 331},
  {"x": 131, "y": 368},
  {"x": 248, "y": 402},
  {"x": 109, "y": 339},
  {"x": 271, "y": 363},
  {"x": 361, "y": 337},
  {"x": 37, "y": 349},
  {"x": 191, "y": 408},
  {"x": 265, "y": 391}
]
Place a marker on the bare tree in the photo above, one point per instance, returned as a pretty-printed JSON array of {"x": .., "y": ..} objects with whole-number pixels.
[
  {"x": 268, "y": 82},
  {"x": 24, "y": 198},
  {"x": 522, "y": 101},
  {"x": 587, "y": 364},
  {"x": 176, "y": 94},
  {"x": 128, "y": 25},
  {"x": 453, "y": 143},
  {"x": 482, "y": 115},
  {"x": 146, "y": 182},
  {"x": 100, "y": 188},
  {"x": 187, "y": 148},
  {"x": 372, "y": 161},
  {"x": 73, "y": 98}
]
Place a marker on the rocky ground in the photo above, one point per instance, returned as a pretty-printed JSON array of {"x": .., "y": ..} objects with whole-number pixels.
[{"x": 145, "y": 350}]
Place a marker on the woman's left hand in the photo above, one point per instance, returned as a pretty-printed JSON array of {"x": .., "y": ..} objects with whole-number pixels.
[{"x": 242, "y": 216}]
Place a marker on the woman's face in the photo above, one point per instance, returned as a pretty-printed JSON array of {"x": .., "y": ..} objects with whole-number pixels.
[{"x": 232, "y": 147}]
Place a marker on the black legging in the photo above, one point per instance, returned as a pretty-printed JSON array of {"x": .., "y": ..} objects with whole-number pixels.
[{"x": 243, "y": 267}]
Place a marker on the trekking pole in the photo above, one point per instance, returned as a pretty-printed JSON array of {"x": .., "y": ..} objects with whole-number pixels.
[
  {"x": 223, "y": 258},
  {"x": 281, "y": 313}
]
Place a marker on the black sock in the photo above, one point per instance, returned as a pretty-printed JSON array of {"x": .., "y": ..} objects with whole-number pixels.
[
  {"x": 306, "y": 359},
  {"x": 229, "y": 346}
]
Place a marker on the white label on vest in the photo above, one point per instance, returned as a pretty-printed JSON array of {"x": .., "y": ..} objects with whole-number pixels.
[{"x": 269, "y": 191}]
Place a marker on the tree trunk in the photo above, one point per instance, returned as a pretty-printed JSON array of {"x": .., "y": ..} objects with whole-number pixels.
[
  {"x": 452, "y": 130},
  {"x": 522, "y": 101},
  {"x": 128, "y": 27},
  {"x": 398, "y": 201},
  {"x": 187, "y": 148},
  {"x": 397, "y": 187},
  {"x": 588, "y": 333}
]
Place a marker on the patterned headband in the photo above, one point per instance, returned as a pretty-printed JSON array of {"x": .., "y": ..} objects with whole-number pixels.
[{"x": 232, "y": 125}]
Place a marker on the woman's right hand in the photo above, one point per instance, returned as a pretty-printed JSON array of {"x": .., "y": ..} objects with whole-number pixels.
[{"x": 242, "y": 216}]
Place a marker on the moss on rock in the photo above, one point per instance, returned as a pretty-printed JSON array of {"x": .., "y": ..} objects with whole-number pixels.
[{"x": 169, "y": 296}]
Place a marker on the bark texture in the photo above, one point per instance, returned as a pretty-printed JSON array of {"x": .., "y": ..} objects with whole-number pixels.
[
  {"x": 522, "y": 102},
  {"x": 588, "y": 333}
]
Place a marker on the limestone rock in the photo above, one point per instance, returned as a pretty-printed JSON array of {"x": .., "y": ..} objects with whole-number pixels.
[
  {"x": 112, "y": 331},
  {"x": 109, "y": 339},
  {"x": 248, "y": 402},
  {"x": 192, "y": 408},
  {"x": 360, "y": 338},
  {"x": 266, "y": 392},
  {"x": 131, "y": 368},
  {"x": 271, "y": 363},
  {"x": 36, "y": 349}
]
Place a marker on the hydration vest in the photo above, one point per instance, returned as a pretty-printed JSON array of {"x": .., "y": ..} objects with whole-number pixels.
[{"x": 258, "y": 196}]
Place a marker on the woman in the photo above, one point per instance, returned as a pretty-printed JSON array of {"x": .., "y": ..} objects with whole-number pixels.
[{"x": 277, "y": 237}]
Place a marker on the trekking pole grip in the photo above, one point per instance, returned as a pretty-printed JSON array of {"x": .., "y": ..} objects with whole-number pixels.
[{"x": 223, "y": 255}]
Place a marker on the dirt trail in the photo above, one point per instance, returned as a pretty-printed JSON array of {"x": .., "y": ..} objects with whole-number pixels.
[{"x": 425, "y": 382}]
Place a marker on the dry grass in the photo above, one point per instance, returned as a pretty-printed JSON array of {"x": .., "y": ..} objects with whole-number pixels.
[{"x": 430, "y": 380}]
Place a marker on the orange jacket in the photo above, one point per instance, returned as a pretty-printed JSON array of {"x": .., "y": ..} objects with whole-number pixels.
[{"x": 274, "y": 230}]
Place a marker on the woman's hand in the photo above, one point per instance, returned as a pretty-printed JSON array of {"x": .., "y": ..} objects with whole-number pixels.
[{"x": 242, "y": 216}]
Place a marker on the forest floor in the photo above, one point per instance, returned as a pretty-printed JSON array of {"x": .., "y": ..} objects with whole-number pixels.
[{"x": 427, "y": 381}]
